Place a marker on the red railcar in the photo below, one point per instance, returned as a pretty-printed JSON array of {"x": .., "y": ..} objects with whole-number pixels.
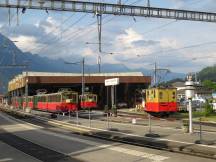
[
  {"x": 89, "y": 100},
  {"x": 30, "y": 103},
  {"x": 64, "y": 101},
  {"x": 16, "y": 102}
]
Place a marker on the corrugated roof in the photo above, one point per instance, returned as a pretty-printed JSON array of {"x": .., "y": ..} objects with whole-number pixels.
[
  {"x": 87, "y": 74},
  {"x": 70, "y": 78}
]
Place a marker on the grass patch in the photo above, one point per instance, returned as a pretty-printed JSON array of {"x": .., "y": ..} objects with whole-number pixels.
[
  {"x": 210, "y": 118},
  {"x": 196, "y": 116}
]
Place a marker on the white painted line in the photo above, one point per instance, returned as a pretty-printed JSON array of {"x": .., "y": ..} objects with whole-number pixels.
[
  {"x": 131, "y": 152},
  {"x": 5, "y": 159},
  {"x": 145, "y": 155},
  {"x": 128, "y": 134},
  {"x": 135, "y": 135},
  {"x": 16, "y": 127}
]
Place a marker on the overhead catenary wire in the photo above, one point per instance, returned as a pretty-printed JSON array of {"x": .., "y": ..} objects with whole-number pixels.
[
  {"x": 76, "y": 33},
  {"x": 63, "y": 32},
  {"x": 181, "y": 48},
  {"x": 46, "y": 40}
]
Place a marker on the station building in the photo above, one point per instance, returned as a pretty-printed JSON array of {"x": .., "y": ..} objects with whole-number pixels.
[{"x": 130, "y": 83}]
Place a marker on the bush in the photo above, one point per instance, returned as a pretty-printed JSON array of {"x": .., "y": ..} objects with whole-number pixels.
[{"x": 208, "y": 109}]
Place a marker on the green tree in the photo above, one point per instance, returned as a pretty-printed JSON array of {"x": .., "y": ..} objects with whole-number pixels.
[
  {"x": 208, "y": 109},
  {"x": 209, "y": 84},
  {"x": 208, "y": 73}
]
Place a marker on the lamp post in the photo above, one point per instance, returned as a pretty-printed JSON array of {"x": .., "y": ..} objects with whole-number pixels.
[{"x": 189, "y": 93}]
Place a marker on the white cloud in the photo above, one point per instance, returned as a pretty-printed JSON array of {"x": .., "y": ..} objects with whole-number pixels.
[
  {"x": 128, "y": 38},
  {"x": 26, "y": 42},
  {"x": 50, "y": 26},
  {"x": 88, "y": 52},
  {"x": 127, "y": 43},
  {"x": 169, "y": 43}
]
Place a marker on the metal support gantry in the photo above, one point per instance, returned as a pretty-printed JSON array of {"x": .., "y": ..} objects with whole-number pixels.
[{"x": 108, "y": 8}]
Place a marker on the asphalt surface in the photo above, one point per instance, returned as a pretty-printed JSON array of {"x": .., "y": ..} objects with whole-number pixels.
[
  {"x": 164, "y": 131},
  {"x": 21, "y": 141}
]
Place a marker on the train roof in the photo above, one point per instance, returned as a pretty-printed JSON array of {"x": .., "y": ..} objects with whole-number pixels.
[
  {"x": 162, "y": 88},
  {"x": 49, "y": 94}
]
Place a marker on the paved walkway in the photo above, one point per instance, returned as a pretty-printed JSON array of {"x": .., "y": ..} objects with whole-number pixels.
[
  {"x": 171, "y": 131},
  {"x": 168, "y": 138}
]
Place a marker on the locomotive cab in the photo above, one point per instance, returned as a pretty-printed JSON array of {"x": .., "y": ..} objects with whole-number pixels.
[
  {"x": 161, "y": 101},
  {"x": 89, "y": 100}
]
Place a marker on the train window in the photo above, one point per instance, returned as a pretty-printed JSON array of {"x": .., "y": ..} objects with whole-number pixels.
[
  {"x": 154, "y": 94},
  {"x": 174, "y": 95},
  {"x": 52, "y": 98},
  {"x": 75, "y": 97},
  {"x": 58, "y": 98},
  {"x": 91, "y": 98},
  {"x": 147, "y": 94},
  {"x": 83, "y": 98},
  {"x": 71, "y": 96},
  {"x": 43, "y": 98},
  {"x": 95, "y": 98},
  {"x": 161, "y": 95}
]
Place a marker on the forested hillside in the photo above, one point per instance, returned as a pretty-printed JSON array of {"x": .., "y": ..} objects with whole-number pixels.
[{"x": 208, "y": 73}]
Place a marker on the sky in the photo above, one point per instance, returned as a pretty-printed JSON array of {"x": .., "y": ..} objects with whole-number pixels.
[{"x": 136, "y": 42}]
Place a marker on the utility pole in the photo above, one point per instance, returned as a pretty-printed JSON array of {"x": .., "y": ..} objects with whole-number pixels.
[
  {"x": 17, "y": 14},
  {"x": 99, "y": 24},
  {"x": 9, "y": 16},
  {"x": 82, "y": 62},
  {"x": 26, "y": 88},
  {"x": 83, "y": 77},
  {"x": 99, "y": 63},
  {"x": 148, "y": 3},
  {"x": 155, "y": 73}
]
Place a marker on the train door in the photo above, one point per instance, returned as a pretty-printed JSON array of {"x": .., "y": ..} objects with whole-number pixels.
[
  {"x": 35, "y": 102},
  {"x": 172, "y": 100},
  {"x": 163, "y": 97}
]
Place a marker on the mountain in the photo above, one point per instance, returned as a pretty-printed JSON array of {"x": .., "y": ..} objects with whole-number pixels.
[
  {"x": 44, "y": 64},
  {"x": 208, "y": 73}
]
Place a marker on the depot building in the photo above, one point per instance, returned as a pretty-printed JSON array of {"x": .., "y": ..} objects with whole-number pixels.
[{"x": 127, "y": 91}]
